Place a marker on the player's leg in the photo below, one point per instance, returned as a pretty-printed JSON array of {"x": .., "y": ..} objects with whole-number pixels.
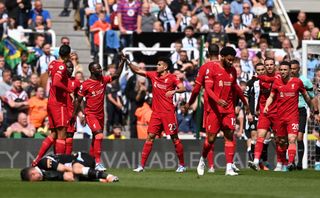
[
  {"x": 46, "y": 144},
  {"x": 264, "y": 164},
  {"x": 302, "y": 128},
  {"x": 60, "y": 146},
  {"x": 97, "y": 146},
  {"x": 179, "y": 150},
  {"x": 210, "y": 159},
  {"x": 69, "y": 143},
  {"x": 292, "y": 127}
]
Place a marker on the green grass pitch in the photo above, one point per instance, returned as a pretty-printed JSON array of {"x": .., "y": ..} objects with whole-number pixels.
[{"x": 155, "y": 183}]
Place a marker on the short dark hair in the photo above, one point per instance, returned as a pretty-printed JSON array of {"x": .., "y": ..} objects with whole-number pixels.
[
  {"x": 24, "y": 174},
  {"x": 285, "y": 63},
  {"x": 69, "y": 62},
  {"x": 213, "y": 49},
  {"x": 16, "y": 78},
  {"x": 228, "y": 51},
  {"x": 268, "y": 58},
  {"x": 64, "y": 50},
  {"x": 92, "y": 64},
  {"x": 296, "y": 62},
  {"x": 167, "y": 61},
  {"x": 189, "y": 28},
  {"x": 259, "y": 64}
]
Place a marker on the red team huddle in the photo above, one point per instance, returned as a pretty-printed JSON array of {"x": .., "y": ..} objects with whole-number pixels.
[{"x": 278, "y": 107}]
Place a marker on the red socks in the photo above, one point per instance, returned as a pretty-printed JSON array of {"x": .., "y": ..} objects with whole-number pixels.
[
  {"x": 147, "y": 147},
  {"x": 207, "y": 147},
  {"x": 69, "y": 142},
  {"x": 179, "y": 150},
  {"x": 97, "y": 147},
  {"x": 210, "y": 157},
  {"x": 60, "y": 146},
  {"x": 46, "y": 144},
  {"x": 229, "y": 150},
  {"x": 258, "y": 148},
  {"x": 292, "y": 150}
]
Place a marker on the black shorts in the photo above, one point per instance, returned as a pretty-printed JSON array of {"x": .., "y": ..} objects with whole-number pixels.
[
  {"x": 302, "y": 119},
  {"x": 251, "y": 127},
  {"x": 85, "y": 159}
]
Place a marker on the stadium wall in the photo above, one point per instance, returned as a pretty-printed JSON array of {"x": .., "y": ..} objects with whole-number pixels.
[{"x": 19, "y": 153}]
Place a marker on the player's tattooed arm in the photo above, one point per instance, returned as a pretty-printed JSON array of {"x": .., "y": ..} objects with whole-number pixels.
[
  {"x": 213, "y": 96},
  {"x": 181, "y": 89}
]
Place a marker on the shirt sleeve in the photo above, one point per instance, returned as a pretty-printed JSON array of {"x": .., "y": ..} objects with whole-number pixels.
[
  {"x": 48, "y": 163},
  {"x": 309, "y": 87},
  {"x": 274, "y": 87},
  {"x": 107, "y": 79},
  {"x": 302, "y": 89},
  {"x": 82, "y": 90}
]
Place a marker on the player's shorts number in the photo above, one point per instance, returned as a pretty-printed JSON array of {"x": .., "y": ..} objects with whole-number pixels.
[
  {"x": 172, "y": 126},
  {"x": 233, "y": 121}
]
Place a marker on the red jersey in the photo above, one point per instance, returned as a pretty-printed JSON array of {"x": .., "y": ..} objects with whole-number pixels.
[
  {"x": 74, "y": 86},
  {"x": 58, "y": 95},
  {"x": 288, "y": 97},
  {"x": 224, "y": 82},
  {"x": 160, "y": 86},
  {"x": 201, "y": 79},
  {"x": 94, "y": 91},
  {"x": 265, "y": 83}
]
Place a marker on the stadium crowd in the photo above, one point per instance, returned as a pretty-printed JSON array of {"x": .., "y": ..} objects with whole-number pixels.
[{"x": 243, "y": 24}]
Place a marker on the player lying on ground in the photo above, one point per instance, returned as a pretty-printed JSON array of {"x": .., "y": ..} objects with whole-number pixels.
[{"x": 77, "y": 167}]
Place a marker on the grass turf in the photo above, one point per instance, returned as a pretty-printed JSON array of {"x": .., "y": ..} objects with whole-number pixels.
[{"x": 166, "y": 183}]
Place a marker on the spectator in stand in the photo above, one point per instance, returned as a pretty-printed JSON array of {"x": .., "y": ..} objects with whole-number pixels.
[
  {"x": 301, "y": 25},
  {"x": 189, "y": 41},
  {"x": 116, "y": 133},
  {"x": 217, "y": 36},
  {"x": 276, "y": 42},
  {"x": 186, "y": 66},
  {"x": 18, "y": 69},
  {"x": 242, "y": 44},
  {"x": 3, "y": 127},
  {"x": 44, "y": 82},
  {"x": 195, "y": 23},
  {"x": 38, "y": 108},
  {"x": 33, "y": 85},
  {"x": 25, "y": 74},
  {"x": 114, "y": 102},
  {"x": 185, "y": 121},
  {"x": 16, "y": 101},
  {"x": 38, "y": 24},
  {"x": 129, "y": 18},
  {"x": 79, "y": 76},
  {"x": 39, "y": 11},
  {"x": 63, "y": 41},
  {"x": 157, "y": 27},
  {"x": 3, "y": 19},
  {"x": 246, "y": 16},
  {"x": 206, "y": 12},
  {"x": 236, "y": 27},
  {"x": 263, "y": 46},
  {"x": 175, "y": 56},
  {"x": 237, "y": 6},
  {"x": 21, "y": 127},
  {"x": 209, "y": 27},
  {"x": 310, "y": 25},
  {"x": 100, "y": 25},
  {"x": 143, "y": 115},
  {"x": 315, "y": 33},
  {"x": 75, "y": 61},
  {"x": 65, "y": 12},
  {"x": 45, "y": 59},
  {"x": 267, "y": 18},
  {"x": 5, "y": 83},
  {"x": 19, "y": 10},
  {"x": 259, "y": 7},
  {"x": 287, "y": 52},
  {"x": 306, "y": 36},
  {"x": 183, "y": 19},
  {"x": 3, "y": 66},
  {"x": 196, "y": 7},
  {"x": 148, "y": 19},
  {"x": 166, "y": 16},
  {"x": 226, "y": 16},
  {"x": 38, "y": 43},
  {"x": 246, "y": 65}
]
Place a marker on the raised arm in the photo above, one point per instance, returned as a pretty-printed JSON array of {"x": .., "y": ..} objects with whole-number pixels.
[
  {"x": 117, "y": 74},
  {"x": 135, "y": 69}
]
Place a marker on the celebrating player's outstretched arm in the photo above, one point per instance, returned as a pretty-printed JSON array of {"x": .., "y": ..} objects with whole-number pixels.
[{"x": 135, "y": 69}]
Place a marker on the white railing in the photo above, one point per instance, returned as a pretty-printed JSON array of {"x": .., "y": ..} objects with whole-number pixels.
[
  {"x": 292, "y": 34},
  {"x": 51, "y": 32}
]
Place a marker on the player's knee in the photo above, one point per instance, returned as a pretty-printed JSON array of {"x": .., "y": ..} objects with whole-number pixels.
[
  {"x": 68, "y": 176},
  {"x": 282, "y": 141},
  {"x": 151, "y": 137},
  {"x": 292, "y": 139},
  {"x": 211, "y": 138}
]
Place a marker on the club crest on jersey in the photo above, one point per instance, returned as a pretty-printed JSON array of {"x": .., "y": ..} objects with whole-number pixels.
[
  {"x": 166, "y": 80},
  {"x": 281, "y": 94},
  {"x": 220, "y": 83},
  {"x": 292, "y": 86},
  {"x": 207, "y": 71},
  {"x": 93, "y": 93},
  {"x": 160, "y": 86},
  {"x": 61, "y": 67}
]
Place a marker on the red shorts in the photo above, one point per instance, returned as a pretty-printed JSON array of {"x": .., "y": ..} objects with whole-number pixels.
[
  {"x": 166, "y": 122},
  {"x": 58, "y": 116},
  {"x": 286, "y": 127},
  {"x": 267, "y": 121},
  {"x": 95, "y": 123},
  {"x": 216, "y": 122}
]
